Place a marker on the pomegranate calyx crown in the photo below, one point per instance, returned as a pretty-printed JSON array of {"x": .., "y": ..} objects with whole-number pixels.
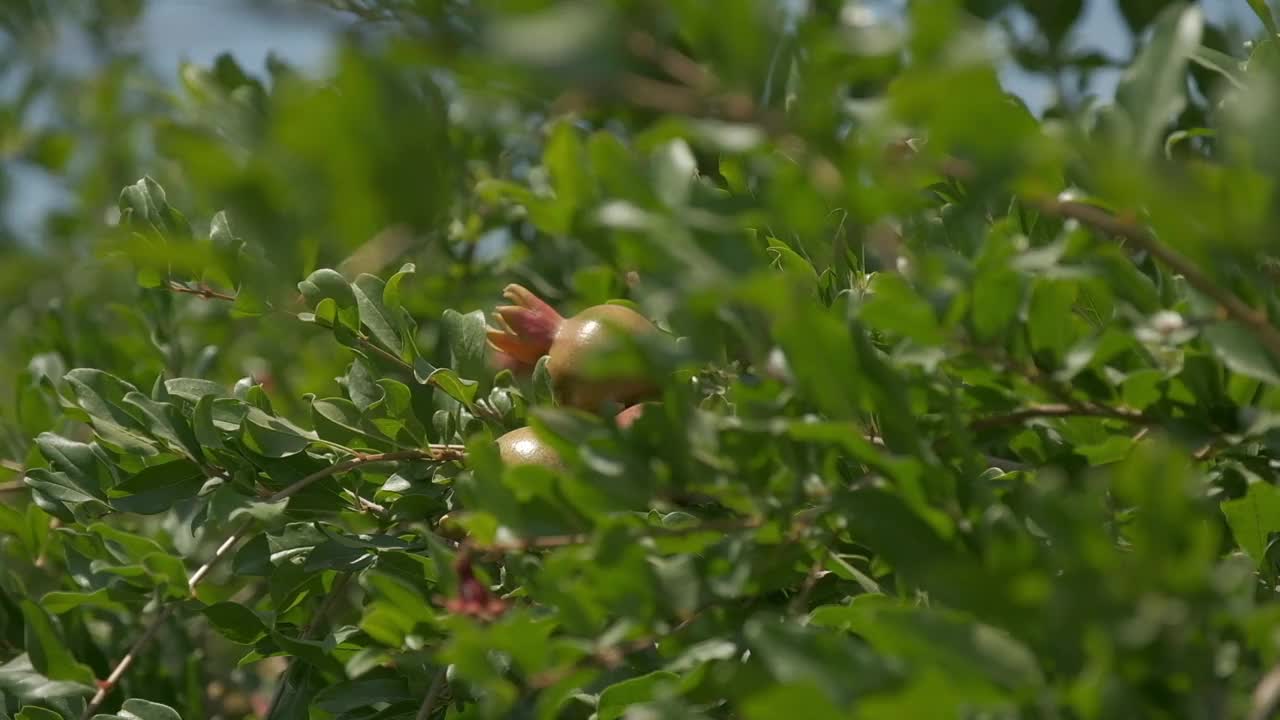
[{"x": 526, "y": 329}]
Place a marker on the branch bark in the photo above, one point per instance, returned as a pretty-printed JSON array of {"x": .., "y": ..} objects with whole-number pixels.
[
  {"x": 201, "y": 291},
  {"x": 547, "y": 542},
  {"x": 106, "y": 686},
  {"x": 434, "y": 452},
  {"x": 308, "y": 632},
  {"x": 1058, "y": 410},
  {"x": 1231, "y": 304},
  {"x": 433, "y": 696}
]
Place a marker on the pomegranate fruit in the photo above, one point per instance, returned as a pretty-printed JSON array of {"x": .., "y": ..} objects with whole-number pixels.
[
  {"x": 629, "y": 415},
  {"x": 531, "y": 328},
  {"x": 522, "y": 447}
]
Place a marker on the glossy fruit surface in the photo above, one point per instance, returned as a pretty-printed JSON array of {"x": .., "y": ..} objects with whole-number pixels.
[
  {"x": 522, "y": 447},
  {"x": 531, "y": 328},
  {"x": 628, "y": 416}
]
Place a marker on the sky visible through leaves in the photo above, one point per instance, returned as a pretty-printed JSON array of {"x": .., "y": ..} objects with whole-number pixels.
[{"x": 200, "y": 30}]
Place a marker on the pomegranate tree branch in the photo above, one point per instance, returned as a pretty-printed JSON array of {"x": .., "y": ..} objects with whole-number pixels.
[
  {"x": 435, "y": 453},
  {"x": 1235, "y": 308},
  {"x": 200, "y": 291},
  {"x": 207, "y": 293},
  {"x": 1060, "y": 410},
  {"x": 433, "y": 696},
  {"x": 105, "y": 687},
  {"x": 370, "y": 346},
  {"x": 308, "y": 632},
  {"x": 547, "y": 542}
]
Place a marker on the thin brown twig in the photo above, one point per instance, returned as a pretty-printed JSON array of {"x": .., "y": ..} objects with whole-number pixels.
[
  {"x": 612, "y": 656},
  {"x": 810, "y": 581},
  {"x": 433, "y": 452},
  {"x": 548, "y": 542},
  {"x": 1059, "y": 410},
  {"x": 364, "y": 341},
  {"x": 676, "y": 99},
  {"x": 673, "y": 62},
  {"x": 368, "y": 344},
  {"x": 13, "y": 465},
  {"x": 12, "y": 487},
  {"x": 609, "y": 658},
  {"x": 105, "y": 687},
  {"x": 1266, "y": 695},
  {"x": 201, "y": 291},
  {"x": 308, "y": 632},
  {"x": 433, "y": 695},
  {"x": 1231, "y": 304},
  {"x": 994, "y": 461}
]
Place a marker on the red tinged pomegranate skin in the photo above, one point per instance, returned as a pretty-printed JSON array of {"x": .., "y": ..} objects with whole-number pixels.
[
  {"x": 530, "y": 328},
  {"x": 628, "y": 416}
]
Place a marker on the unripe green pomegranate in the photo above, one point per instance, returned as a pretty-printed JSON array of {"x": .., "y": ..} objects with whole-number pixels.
[
  {"x": 522, "y": 447},
  {"x": 447, "y": 527},
  {"x": 531, "y": 328}
]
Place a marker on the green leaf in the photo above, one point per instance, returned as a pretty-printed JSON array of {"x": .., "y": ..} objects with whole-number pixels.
[
  {"x": 616, "y": 698},
  {"x": 796, "y": 700},
  {"x": 123, "y": 545},
  {"x": 101, "y": 395},
  {"x": 137, "y": 709},
  {"x": 31, "y": 712},
  {"x": 1050, "y": 319},
  {"x": 236, "y": 622},
  {"x": 1254, "y": 517},
  {"x": 1265, "y": 15},
  {"x": 1239, "y": 349},
  {"x": 1221, "y": 63},
  {"x": 195, "y": 389},
  {"x": 391, "y": 291},
  {"x": 207, "y": 434},
  {"x": 894, "y": 307},
  {"x": 1153, "y": 89},
  {"x": 840, "y": 668},
  {"x": 380, "y": 320},
  {"x": 674, "y": 171},
  {"x": 543, "y": 389},
  {"x": 82, "y": 464},
  {"x": 464, "y": 391},
  {"x": 60, "y": 602},
  {"x": 272, "y": 436},
  {"x": 361, "y": 385},
  {"x": 59, "y": 487},
  {"x": 49, "y": 653},
  {"x": 927, "y": 637},
  {"x": 145, "y": 202},
  {"x": 361, "y": 693},
  {"x": 329, "y": 285},
  {"x": 20, "y": 679},
  {"x": 997, "y": 294},
  {"x": 565, "y": 158},
  {"x": 339, "y": 420},
  {"x": 155, "y": 489},
  {"x": 466, "y": 337}
]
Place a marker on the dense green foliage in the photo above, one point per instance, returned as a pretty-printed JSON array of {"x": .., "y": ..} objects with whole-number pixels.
[{"x": 964, "y": 412}]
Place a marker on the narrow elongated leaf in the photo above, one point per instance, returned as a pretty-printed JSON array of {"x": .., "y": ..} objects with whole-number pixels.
[
  {"x": 48, "y": 650},
  {"x": 1153, "y": 89},
  {"x": 156, "y": 488}
]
